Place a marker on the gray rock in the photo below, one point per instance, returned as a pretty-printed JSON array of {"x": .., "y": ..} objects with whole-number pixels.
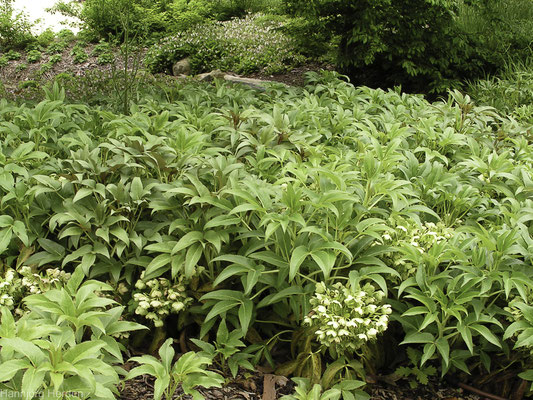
[
  {"x": 253, "y": 83},
  {"x": 210, "y": 76},
  {"x": 182, "y": 67}
]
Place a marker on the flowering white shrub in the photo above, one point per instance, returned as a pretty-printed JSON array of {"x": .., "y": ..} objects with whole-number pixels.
[
  {"x": 239, "y": 45},
  {"x": 422, "y": 237},
  {"x": 156, "y": 298},
  {"x": 346, "y": 318}
]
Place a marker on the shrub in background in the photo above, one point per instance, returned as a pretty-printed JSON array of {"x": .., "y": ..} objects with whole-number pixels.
[
  {"x": 15, "y": 28},
  {"x": 227, "y": 9},
  {"x": 106, "y": 18},
  {"x": 46, "y": 37},
  {"x": 384, "y": 42},
  {"x": 184, "y": 14},
  {"x": 498, "y": 30},
  {"x": 511, "y": 92},
  {"x": 240, "y": 45}
]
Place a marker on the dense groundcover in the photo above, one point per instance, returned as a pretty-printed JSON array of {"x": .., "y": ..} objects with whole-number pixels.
[{"x": 332, "y": 232}]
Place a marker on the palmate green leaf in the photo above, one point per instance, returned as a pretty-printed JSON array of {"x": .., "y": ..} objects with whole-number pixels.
[
  {"x": 5, "y": 238},
  {"x": 444, "y": 349},
  {"x": 207, "y": 379},
  {"x": 486, "y": 333},
  {"x": 330, "y": 372},
  {"x": 6, "y": 221},
  {"x": 7, "y": 324},
  {"x": 82, "y": 193},
  {"x": 297, "y": 258},
  {"x": 418, "y": 337},
  {"x": 83, "y": 350},
  {"x": 121, "y": 234},
  {"x": 215, "y": 238},
  {"x": 158, "y": 266},
  {"x": 516, "y": 327},
  {"x": 32, "y": 352},
  {"x": 9, "y": 368},
  {"x": 415, "y": 311},
  {"x": 331, "y": 245},
  {"x": 220, "y": 308},
  {"x": 190, "y": 363},
  {"x": 235, "y": 259},
  {"x": 525, "y": 338},
  {"x": 67, "y": 305},
  {"x": 427, "y": 353},
  {"x": 527, "y": 310},
  {"x": 103, "y": 233},
  {"x": 325, "y": 261},
  {"x": 228, "y": 272},
  {"x": 250, "y": 280},
  {"x": 222, "y": 220},
  {"x": 163, "y": 247},
  {"x": 233, "y": 295},
  {"x": 245, "y": 315},
  {"x": 32, "y": 380},
  {"x": 42, "y": 302},
  {"x": 245, "y": 207},
  {"x": 123, "y": 326},
  {"x": 113, "y": 348},
  {"x": 70, "y": 231},
  {"x": 271, "y": 258},
  {"x": 194, "y": 253},
  {"x": 136, "y": 190},
  {"x": 187, "y": 240},
  {"x": 87, "y": 261},
  {"x": 526, "y": 375},
  {"x": 19, "y": 229},
  {"x": 428, "y": 320},
  {"x": 161, "y": 384},
  {"x": 166, "y": 353},
  {"x": 145, "y": 369},
  {"x": 280, "y": 295},
  {"x": 51, "y": 246},
  {"x": 80, "y": 252}
]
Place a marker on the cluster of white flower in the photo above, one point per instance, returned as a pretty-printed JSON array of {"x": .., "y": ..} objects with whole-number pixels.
[
  {"x": 422, "y": 237},
  {"x": 240, "y": 45},
  {"x": 346, "y": 318},
  {"x": 9, "y": 288},
  {"x": 35, "y": 283},
  {"x": 15, "y": 285},
  {"x": 155, "y": 299}
]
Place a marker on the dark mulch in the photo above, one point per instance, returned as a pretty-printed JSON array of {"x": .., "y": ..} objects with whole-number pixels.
[
  {"x": 264, "y": 386},
  {"x": 294, "y": 77}
]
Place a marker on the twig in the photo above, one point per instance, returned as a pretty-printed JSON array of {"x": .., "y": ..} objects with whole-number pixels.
[{"x": 480, "y": 392}]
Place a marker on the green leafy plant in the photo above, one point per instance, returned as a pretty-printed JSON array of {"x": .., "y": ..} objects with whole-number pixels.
[
  {"x": 188, "y": 372},
  {"x": 21, "y": 67},
  {"x": 46, "y": 67},
  {"x": 255, "y": 203},
  {"x": 56, "y": 58},
  {"x": 225, "y": 352},
  {"x": 65, "y": 343},
  {"x": 56, "y": 47},
  {"x": 13, "y": 55},
  {"x": 106, "y": 58},
  {"x": 79, "y": 54},
  {"x": 347, "y": 390},
  {"x": 414, "y": 373},
  {"x": 34, "y": 56}
]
